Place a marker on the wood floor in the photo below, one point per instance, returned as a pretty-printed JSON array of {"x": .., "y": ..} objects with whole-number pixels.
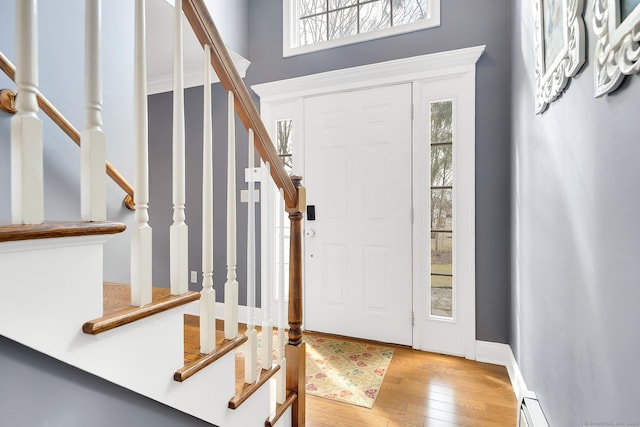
[
  {"x": 426, "y": 389},
  {"x": 422, "y": 389}
]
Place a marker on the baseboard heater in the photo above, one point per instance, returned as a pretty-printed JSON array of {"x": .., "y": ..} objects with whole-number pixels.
[{"x": 530, "y": 412}]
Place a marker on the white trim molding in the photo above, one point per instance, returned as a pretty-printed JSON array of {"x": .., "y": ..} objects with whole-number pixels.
[
  {"x": 382, "y": 73},
  {"x": 194, "y": 78},
  {"x": 284, "y": 99},
  {"x": 501, "y": 354},
  {"x": 552, "y": 79},
  {"x": 617, "y": 52},
  {"x": 194, "y": 309}
]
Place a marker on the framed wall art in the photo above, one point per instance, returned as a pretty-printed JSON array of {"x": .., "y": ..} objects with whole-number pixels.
[
  {"x": 559, "y": 44},
  {"x": 616, "y": 24}
]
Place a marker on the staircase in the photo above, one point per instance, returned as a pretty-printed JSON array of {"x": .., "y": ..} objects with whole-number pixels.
[{"x": 168, "y": 344}]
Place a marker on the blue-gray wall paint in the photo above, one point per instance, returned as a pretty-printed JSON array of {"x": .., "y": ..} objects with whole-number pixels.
[
  {"x": 463, "y": 24},
  {"x": 576, "y": 241},
  {"x": 160, "y": 175},
  {"x": 232, "y": 20}
]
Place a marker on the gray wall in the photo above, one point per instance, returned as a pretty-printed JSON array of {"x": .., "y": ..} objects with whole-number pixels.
[
  {"x": 463, "y": 24},
  {"x": 161, "y": 211},
  {"x": 38, "y": 391},
  {"x": 232, "y": 21},
  {"x": 576, "y": 241}
]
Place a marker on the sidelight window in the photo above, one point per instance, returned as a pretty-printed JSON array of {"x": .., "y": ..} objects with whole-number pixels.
[
  {"x": 284, "y": 146},
  {"x": 441, "y": 202}
]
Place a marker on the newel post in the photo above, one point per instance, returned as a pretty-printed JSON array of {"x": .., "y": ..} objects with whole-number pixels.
[{"x": 295, "y": 349}]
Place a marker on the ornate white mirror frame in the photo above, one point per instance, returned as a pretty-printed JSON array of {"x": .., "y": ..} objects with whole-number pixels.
[
  {"x": 618, "y": 43},
  {"x": 559, "y": 44}
]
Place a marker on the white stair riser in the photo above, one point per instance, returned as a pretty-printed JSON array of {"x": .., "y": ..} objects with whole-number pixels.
[{"x": 51, "y": 287}]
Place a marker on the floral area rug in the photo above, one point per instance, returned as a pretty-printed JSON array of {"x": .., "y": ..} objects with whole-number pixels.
[{"x": 345, "y": 371}]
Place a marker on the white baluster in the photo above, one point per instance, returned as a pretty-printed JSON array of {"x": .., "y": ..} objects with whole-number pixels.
[
  {"x": 281, "y": 382},
  {"x": 231, "y": 286},
  {"x": 179, "y": 232},
  {"x": 267, "y": 293},
  {"x": 141, "y": 232},
  {"x": 208, "y": 294},
  {"x": 27, "y": 194},
  {"x": 93, "y": 187},
  {"x": 250, "y": 368}
]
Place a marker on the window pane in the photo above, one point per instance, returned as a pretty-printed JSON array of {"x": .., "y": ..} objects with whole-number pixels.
[
  {"x": 311, "y": 7},
  {"x": 284, "y": 146},
  {"x": 442, "y": 209},
  {"x": 441, "y": 253},
  {"x": 441, "y": 198},
  {"x": 284, "y": 143},
  {"x": 285, "y": 261},
  {"x": 441, "y": 121},
  {"x": 375, "y": 15},
  {"x": 441, "y": 165},
  {"x": 626, "y": 7},
  {"x": 313, "y": 30},
  {"x": 441, "y": 296},
  {"x": 407, "y": 11},
  {"x": 335, "y": 4},
  {"x": 345, "y": 18},
  {"x": 343, "y": 23}
]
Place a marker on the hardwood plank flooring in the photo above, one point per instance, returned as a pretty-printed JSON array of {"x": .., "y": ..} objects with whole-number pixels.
[
  {"x": 427, "y": 389},
  {"x": 421, "y": 389}
]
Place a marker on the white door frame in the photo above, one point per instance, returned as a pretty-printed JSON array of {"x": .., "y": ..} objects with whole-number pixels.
[{"x": 416, "y": 70}]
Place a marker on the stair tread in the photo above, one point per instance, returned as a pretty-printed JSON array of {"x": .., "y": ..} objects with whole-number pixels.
[
  {"x": 280, "y": 409},
  {"x": 55, "y": 229},
  {"x": 118, "y": 311},
  {"x": 244, "y": 390},
  {"x": 195, "y": 361}
]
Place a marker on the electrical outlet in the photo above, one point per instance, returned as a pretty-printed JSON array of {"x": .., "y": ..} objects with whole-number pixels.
[{"x": 194, "y": 277}]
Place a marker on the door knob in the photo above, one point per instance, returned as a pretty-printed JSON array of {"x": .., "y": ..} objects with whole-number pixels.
[{"x": 310, "y": 232}]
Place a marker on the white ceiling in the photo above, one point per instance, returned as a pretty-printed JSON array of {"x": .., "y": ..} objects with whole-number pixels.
[{"x": 159, "y": 20}]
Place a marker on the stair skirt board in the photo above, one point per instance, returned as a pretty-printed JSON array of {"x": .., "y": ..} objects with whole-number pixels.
[{"x": 44, "y": 308}]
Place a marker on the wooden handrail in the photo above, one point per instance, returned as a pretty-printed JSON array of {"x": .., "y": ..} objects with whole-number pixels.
[
  {"x": 10, "y": 70},
  {"x": 205, "y": 30},
  {"x": 294, "y": 194}
]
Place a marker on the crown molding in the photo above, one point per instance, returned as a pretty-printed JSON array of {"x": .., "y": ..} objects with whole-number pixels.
[{"x": 422, "y": 67}]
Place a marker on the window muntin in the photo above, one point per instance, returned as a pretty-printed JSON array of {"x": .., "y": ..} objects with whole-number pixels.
[
  {"x": 441, "y": 203},
  {"x": 320, "y": 24}
]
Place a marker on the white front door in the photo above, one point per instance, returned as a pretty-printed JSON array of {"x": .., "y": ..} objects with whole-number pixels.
[{"x": 358, "y": 253}]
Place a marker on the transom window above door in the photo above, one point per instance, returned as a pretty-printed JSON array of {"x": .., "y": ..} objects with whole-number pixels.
[{"x": 311, "y": 25}]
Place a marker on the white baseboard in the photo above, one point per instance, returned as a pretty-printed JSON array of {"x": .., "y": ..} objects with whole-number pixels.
[
  {"x": 501, "y": 354},
  {"x": 242, "y": 312}
]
